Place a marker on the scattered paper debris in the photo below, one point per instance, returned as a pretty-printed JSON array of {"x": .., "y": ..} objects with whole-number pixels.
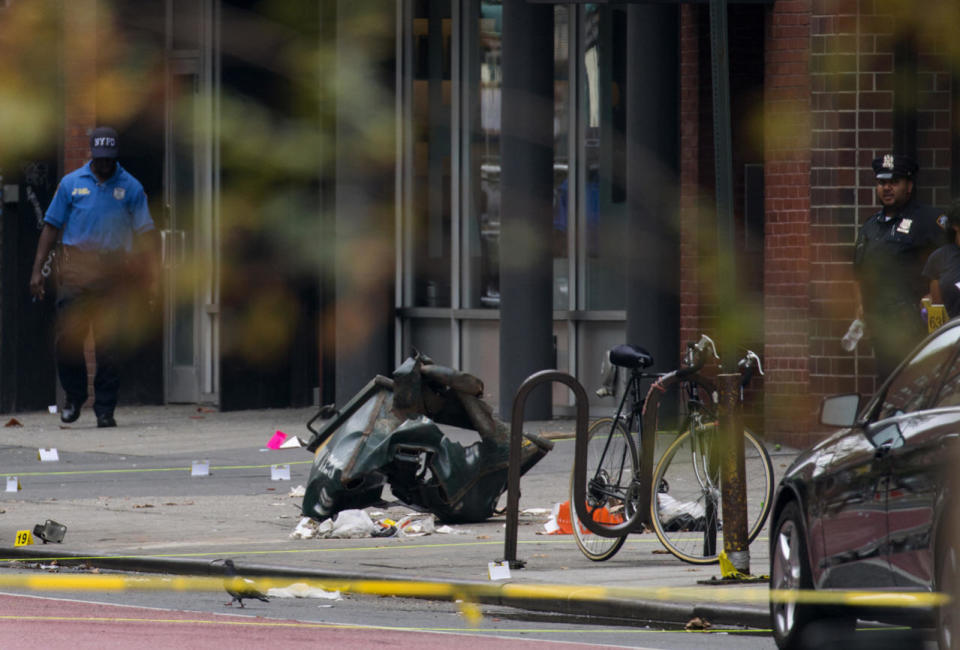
[
  {"x": 303, "y": 590},
  {"x": 349, "y": 524},
  {"x": 296, "y": 492},
  {"x": 46, "y": 455},
  {"x": 416, "y": 525},
  {"x": 307, "y": 528},
  {"x": 293, "y": 442},
  {"x": 53, "y": 409},
  {"x": 536, "y": 511},
  {"x": 357, "y": 523}
]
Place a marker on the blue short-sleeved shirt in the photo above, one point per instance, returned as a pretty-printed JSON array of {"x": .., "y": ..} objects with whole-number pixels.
[{"x": 99, "y": 216}]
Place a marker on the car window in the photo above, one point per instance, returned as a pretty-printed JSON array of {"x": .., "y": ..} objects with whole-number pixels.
[
  {"x": 950, "y": 392},
  {"x": 889, "y": 435},
  {"x": 911, "y": 387}
]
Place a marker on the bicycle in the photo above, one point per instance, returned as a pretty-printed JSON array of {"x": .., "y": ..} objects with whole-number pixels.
[{"x": 685, "y": 509}]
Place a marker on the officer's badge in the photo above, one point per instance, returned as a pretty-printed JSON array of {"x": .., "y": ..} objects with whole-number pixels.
[
  {"x": 904, "y": 225},
  {"x": 942, "y": 221},
  {"x": 888, "y": 161},
  {"x": 119, "y": 193}
]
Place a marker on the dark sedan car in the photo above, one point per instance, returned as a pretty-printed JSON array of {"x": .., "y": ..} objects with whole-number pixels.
[{"x": 868, "y": 507}]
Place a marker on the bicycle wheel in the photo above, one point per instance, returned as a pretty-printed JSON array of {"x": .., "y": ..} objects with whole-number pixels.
[
  {"x": 687, "y": 511},
  {"x": 611, "y": 464}
]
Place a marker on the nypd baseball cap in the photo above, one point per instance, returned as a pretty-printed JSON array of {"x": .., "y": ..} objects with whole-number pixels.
[
  {"x": 104, "y": 143},
  {"x": 890, "y": 166}
]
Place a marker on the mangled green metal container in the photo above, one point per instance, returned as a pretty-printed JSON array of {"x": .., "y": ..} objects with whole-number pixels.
[{"x": 388, "y": 434}]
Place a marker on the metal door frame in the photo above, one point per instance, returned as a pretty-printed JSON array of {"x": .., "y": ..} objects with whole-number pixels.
[{"x": 199, "y": 382}]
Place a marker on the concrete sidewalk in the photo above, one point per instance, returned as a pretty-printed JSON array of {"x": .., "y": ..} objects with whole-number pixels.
[{"x": 129, "y": 502}]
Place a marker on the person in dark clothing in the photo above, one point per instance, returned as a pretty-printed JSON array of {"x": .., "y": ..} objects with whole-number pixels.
[
  {"x": 943, "y": 265},
  {"x": 101, "y": 211},
  {"x": 891, "y": 250}
]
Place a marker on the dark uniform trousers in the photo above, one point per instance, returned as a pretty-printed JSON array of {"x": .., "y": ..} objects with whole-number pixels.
[{"x": 90, "y": 299}]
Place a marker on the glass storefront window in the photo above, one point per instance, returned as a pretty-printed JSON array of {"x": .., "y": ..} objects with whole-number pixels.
[
  {"x": 603, "y": 188},
  {"x": 429, "y": 214},
  {"x": 561, "y": 158},
  {"x": 482, "y": 117}
]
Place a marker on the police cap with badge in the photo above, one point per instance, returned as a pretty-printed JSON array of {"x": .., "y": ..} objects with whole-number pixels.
[
  {"x": 104, "y": 143},
  {"x": 890, "y": 166}
]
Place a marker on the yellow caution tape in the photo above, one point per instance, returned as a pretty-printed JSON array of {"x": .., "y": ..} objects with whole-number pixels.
[{"x": 472, "y": 592}]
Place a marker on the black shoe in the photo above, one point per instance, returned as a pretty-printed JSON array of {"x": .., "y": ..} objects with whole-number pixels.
[
  {"x": 104, "y": 421},
  {"x": 70, "y": 411}
]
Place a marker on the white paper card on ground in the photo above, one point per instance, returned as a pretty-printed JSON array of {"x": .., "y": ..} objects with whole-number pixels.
[
  {"x": 200, "y": 468},
  {"x": 52, "y": 408},
  {"x": 292, "y": 442},
  {"x": 279, "y": 472},
  {"x": 49, "y": 455},
  {"x": 13, "y": 484},
  {"x": 499, "y": 570}
]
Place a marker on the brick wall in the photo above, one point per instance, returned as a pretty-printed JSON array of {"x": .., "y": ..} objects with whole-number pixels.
[
  {"x": 852, "y": 104},
  {"x": 80, "y": 79},
  {"x": 697, "y": 182},
  {"x": 934, "y": 109},
  {"x": 787, "y": 250},
  {"x": 842, "y": 57}
]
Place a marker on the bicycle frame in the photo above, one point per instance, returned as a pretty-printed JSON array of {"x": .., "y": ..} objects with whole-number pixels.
[
  {"x": 638, "y": 425},
  {"x": 632, "y": 392}
]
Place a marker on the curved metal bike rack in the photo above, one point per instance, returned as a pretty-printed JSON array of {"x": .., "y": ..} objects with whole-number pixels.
[{"x": 516, "y": 439}]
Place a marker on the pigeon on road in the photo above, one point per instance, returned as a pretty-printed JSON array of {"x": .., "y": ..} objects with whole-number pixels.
[{"x": 247, "y": 590}]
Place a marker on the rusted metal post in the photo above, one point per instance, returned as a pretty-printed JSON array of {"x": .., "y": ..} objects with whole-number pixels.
[
  {"x": 516, "y": 441},
  {"x": 733, "y": 474}
]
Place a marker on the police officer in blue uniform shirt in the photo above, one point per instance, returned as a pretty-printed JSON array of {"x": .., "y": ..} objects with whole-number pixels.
[
  {"x": 100, "y": 213},
  {"x": 892, "y": 247}
]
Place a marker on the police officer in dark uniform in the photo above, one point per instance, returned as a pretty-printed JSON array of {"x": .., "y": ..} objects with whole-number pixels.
[{"x": 892, "y": 247}]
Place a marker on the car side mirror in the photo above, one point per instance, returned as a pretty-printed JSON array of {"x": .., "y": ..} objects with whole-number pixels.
[{"x": 840, "y": 410}]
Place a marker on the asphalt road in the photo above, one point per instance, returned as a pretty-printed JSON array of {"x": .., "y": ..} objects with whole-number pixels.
[{"x": 168, "y": 620}]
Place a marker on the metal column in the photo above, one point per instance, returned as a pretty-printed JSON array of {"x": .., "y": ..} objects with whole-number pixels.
[{"x": 526, "y": 186}]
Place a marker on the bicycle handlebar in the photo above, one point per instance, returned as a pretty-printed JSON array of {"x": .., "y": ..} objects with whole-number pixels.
[
  {"x": 749, "y": 364},
  {"x": 694, "y": 359}
]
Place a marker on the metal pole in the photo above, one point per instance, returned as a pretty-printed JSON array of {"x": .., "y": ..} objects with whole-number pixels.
[
  {"x": 731, "y": 474},
  {"x": 516, "y": 439}
]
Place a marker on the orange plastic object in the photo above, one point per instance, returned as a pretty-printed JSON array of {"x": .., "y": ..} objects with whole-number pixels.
[{"x": 601, "y": 515}]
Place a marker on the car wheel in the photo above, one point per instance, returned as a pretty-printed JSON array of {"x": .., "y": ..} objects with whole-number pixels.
[
  {"x": 789, "y": 572},
  {"x": 947, "y": 619}
]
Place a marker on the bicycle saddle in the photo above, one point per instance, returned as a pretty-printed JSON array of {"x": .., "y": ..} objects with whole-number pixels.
[{"x": 630, "y": 356}]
